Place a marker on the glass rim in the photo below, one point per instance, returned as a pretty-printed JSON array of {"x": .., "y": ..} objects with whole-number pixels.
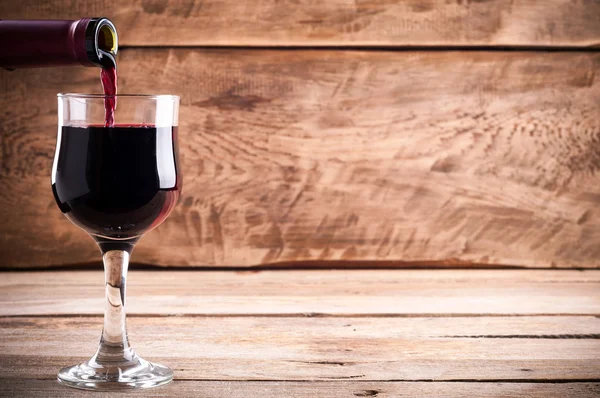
[{"x": 140, "y": 96}]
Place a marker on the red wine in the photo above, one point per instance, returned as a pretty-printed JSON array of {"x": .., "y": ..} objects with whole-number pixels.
[
  {"x": 117, "y": 182},
  {"x": 108, "y": 76}
]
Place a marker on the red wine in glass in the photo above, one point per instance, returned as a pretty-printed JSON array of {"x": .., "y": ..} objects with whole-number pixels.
[{"x": 117, "y": 182}]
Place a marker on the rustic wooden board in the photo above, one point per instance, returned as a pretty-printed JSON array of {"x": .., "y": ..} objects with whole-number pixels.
[
  {"x": 398, "y": 293},
  {"x": 252, "y": 355},
  {"x": 317, "y": 349},
  {"x": 440, "y": 157},
  {"x": 333, "y": 23},
  {"x": 236, "y": 389}
]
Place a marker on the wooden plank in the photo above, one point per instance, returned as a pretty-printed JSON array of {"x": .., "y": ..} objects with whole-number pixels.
[
  {"x": 301, "y": 293},
  {"x": 334, "y": 23},
  {"x": 229, "y": 389},
  {"x": 448, "y": 158},
  {"x": 322, "y": 349}
]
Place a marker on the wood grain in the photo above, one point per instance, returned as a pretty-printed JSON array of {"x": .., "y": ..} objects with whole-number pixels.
[
  {"x": 333, "y": 23},
  {"x": 237, "y": 389},
  {"x": 398, "y": 293},
  {"x": 322, "y": 349},
  {"x": 439, "y": 157},
  {"x": 553, "y": 355}
]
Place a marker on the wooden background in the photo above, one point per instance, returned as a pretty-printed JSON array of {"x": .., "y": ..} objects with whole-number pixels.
[{"x": 409, "y": 132}]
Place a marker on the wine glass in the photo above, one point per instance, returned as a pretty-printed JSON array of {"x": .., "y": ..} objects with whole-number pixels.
[{"x": 116, "y": 183}]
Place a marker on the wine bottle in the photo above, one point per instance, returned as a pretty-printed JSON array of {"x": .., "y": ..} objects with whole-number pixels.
[{"x": 44, "y": 43}]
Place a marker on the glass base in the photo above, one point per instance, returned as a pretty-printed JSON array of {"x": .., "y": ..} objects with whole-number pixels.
[{"x": 127, "y": 375}]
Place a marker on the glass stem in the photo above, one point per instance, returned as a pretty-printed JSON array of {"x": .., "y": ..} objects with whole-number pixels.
[{"x": 114, "y": 346}]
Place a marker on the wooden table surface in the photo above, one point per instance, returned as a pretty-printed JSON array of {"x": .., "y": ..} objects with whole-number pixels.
[{"x": 317, "y": 333}]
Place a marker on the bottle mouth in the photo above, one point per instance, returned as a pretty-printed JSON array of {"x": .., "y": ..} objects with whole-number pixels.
[
  {"x": 107, "y": 38},
  {"x": 102, "y": 42}
]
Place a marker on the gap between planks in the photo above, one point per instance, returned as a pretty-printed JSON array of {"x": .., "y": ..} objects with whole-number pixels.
[
  {"x": 299, "y": 315},
  {"x": 366, "y": 48},
  {"x": 294, "y": 266},
  {"x": 345, "y": 380},
  {"x": 276, "y": 389},
  {"x": 558, "y": 381}
]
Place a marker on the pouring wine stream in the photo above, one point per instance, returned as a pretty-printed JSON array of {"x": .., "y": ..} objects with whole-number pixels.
[{"x": 108, "y": 77}]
